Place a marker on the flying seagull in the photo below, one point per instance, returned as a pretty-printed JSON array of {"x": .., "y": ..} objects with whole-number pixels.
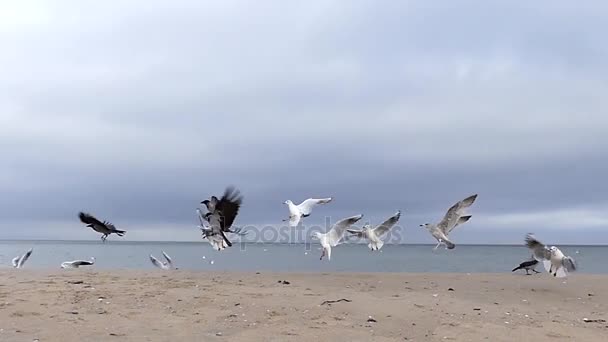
[
  {"x": 334, "y": 235},
  {"x": 554, "y": 261},
  {"x": 165, "y": 265},
  {"x": 223, "y": 212},
  {"x": 78, "y": 263},
  {"x": 20, "y": 260},
  {"x": 374, "y": 234},
  {"x": 105, "y": 227},
  {"x": 529, "y": 265},
  {"x": 454, "y": 217},
  {"x": 304, "y": 209}
]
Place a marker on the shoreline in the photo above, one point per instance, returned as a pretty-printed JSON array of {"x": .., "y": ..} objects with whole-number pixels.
[{"x": 184, "y": 305}]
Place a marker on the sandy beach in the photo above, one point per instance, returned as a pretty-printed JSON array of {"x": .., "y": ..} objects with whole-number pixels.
[{"x": 87, "y": 305}]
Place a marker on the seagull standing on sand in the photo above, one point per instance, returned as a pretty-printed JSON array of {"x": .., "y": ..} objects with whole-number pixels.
[
  {"x": 334, "y": 235},
  {"x": 454, "y": 217},
  {"x": 529, "y": 265},
  {"x": 304, "y": 209},
  {"x": 374, "y": 234},
  {"x": 78, "y": 263},
  {"x": 19, "y": 261},
  {"x": 164, "y": 265},
  {"x": 223, "y": 212},
  {"x": 105, "y": 227},
  {"x": 554, "y": 261}
]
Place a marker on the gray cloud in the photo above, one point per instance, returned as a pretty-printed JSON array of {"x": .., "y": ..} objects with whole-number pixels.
[{"x": 137, "y": 111}]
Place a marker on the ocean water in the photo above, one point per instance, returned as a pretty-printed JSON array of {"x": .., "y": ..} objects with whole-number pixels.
[{"x": 292, "y": 257}]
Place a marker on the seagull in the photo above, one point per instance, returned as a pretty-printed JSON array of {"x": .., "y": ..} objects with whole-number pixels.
[
  {"x": 297, "y": 212},
  {"x": 374, "y": 234},
  {"x": 212, "y": 232},
  {"x": 223, "y": 212},
  {"x": 334, "y": 235},
  {"x": 105, "y": 227},
  {"x": 166, "y": 265},
  {"x": 529, "y": 265},
  {"x": 18, "y": 261},
  {"x": 454, "y": 217},
  {"x": 78, "y": 263},
  {"x": 554, "y": 261}
]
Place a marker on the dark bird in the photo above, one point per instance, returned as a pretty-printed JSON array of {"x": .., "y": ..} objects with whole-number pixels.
[
  {"x": 529, "y": 265},
  {"x": 223, "y": 212},
  {"x": 105, "y": 227}
]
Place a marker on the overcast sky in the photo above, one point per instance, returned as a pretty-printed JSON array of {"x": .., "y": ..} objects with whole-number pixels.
[{"x": 137, "y": 110}]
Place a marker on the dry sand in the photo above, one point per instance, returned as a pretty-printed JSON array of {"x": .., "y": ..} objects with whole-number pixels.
[{"x": 86, "y": 305}]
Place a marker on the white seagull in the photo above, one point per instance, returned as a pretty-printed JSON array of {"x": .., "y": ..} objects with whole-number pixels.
[
  {"x": 334, "y": 235},
  {"x": 166, "y": 265},
  {"x": 18, "y": 261},
  {"x": 374, "y": 234},
  {"x": 297, "y": 212},
  {"x": 454, "y": 217},
  {"x": 554, "y": 261},
  {"x": 78, "y": 263}
]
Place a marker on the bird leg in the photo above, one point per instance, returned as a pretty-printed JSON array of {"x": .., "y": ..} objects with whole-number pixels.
[
  {"x": 438, "y": 244},
  {"x": 535, "y": 271},
  {"x": 322, "y": 254},
  {"x": 527, "y": 273}
]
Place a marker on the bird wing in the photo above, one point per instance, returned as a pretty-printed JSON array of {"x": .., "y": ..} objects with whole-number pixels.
[
  {"x": 24, "y": 257},
  {"x": 89, "y": 219},
  {"x": 156, "y": 262},
  {"x": 294, "y": 220},
  {"x": 336, "y": 233},
  {"x": 451, "y": 218},
  {"x": 356, "y": 232},
  {"x": 228, "y": 207},
  {"x": 569, "y": 264},
  {"x": 306, "y": 206},
  {"x": 539, "y": 250},
  {"x": 387, "y": 225},
  {"x": 168, "y": 258}
]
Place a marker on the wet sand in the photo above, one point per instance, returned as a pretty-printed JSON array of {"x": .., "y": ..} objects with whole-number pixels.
[{"x": 89, "y": 305}]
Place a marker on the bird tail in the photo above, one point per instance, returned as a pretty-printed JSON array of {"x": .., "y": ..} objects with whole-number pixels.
[
  {"x": 375, "y": 246},
  {"x": 119, "y": 232},
  {"x": 449, "y": 244},
  {"x": 516, "y": 268}
]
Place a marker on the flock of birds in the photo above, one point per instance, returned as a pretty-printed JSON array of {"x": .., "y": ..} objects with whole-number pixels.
[{"x": 216, "y": 224}]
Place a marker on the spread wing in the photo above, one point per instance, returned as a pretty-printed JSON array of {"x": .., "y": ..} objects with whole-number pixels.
[
  {"x": 539, "y": 250},
  {"x": 358, "y": 233},
  {"x": 228, "y": 207},
  {"x": 306, "y": 206},
  {"x": 452, "y": 217},
  {"x": 337, "y": 231},
  {"x": 25, "y": 257},
  {"x": 569, "y": 264},
  {"x": 156, "y": 262},
  {"x": 387, "y": 225},
  {"x": 168, "y": 258},
  {"x": 89, "y": 219}
]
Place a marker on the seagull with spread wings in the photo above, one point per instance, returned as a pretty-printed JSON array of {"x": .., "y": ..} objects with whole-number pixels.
[
  {"x": 374, "y": 235},
  {"x": 453, "y": 218},
  {"x": 78, "y": 263},
  {"x": 554, "y": 261},
  {"x": 163, "y": 265},
  {"x": 105, "y": 227},
  {"x": 19, "y": 261},
  {"x": 333, "y": 237},
  {"x": 304, "y": 209},
  {"x": 221, "y": 215}
]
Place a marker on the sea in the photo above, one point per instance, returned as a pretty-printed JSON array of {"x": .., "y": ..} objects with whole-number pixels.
[{"x": 252, "y": 257}]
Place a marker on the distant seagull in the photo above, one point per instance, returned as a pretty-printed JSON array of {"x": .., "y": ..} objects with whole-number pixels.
[
  {"x": 454, "y": 217},
  {"x": 165, "y": 265},
  {"x": 20, "y": 260},
  {"x": 78, "y": 263},
  {"x": 529, "y": 265},
  {"x": 105, "y": 227},
  {"x": 374, "y": 235},
  {"x": 223, "y": 212},
  {"x": 554, "y": 261},
  {"x": 334, "y": 235},
  {"x": 304, "y": 209}
]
